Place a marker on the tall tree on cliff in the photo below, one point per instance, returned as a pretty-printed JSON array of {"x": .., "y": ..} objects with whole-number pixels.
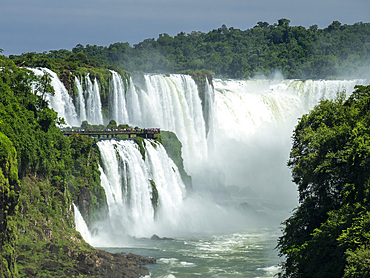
[{"x": 329, "y": 233}]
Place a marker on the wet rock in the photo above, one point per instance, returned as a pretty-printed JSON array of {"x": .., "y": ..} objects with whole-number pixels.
[
  {"x": 155, "y": 237},
  {"x": 105, "y": 264},
  {"x": 140, "y": 260}
]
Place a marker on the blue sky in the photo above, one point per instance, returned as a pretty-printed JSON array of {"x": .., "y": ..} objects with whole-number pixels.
[{"x": 43, "y": 25}]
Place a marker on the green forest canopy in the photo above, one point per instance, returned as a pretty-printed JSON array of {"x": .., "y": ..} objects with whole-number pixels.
[
  {"x": 328, "y": 235},
  {"x": 298, "y": 52}
]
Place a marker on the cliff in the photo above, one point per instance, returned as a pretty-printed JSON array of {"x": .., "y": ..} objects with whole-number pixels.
[
  {"x": 39, "y": 168},
  {"x": 173, "y": 148},
  {"x": 48, "y": 244}
]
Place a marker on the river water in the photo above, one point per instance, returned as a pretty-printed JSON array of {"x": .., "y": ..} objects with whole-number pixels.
[{"x": 247, "y": 253}]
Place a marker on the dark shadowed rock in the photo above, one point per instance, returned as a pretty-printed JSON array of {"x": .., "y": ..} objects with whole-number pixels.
[
  {"x": 105, "y": 264},
  {"x": 155, "y": 237},
  {"x": 140, "y": 260}
]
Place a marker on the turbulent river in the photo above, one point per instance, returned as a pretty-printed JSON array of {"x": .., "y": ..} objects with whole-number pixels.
[
  {"x": 248, "y": 253},
  {"x": 236, "y": 138}
]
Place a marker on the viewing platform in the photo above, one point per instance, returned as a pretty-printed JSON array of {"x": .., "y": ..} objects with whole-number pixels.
[{"x": 148, "y": 133}]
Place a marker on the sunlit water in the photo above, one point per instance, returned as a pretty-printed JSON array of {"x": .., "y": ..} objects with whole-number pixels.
[{"x": 248, "y": 253}]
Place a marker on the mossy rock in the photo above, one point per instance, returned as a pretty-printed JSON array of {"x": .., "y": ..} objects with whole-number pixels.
[
  {"x": 173, "y": 148},
  {"x": 155, "y": 195}
]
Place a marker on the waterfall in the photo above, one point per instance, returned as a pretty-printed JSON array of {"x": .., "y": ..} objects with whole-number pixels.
[
  {"x": 81, "y": 226},
  {"x": 255, "y": 121},
  {"x": 135, "y": 106},
  {"x": 171, "y": 103},
  {"x": 164, "y": 173},
  {"x": 81, "y": 106},
  {"x": 211, "y": 115},
  {"x": 243, "y": 107},
  {"x": 60, "y": 101},
  {"x": 88, "y": 102},
  {"x": 118, "y": 110},
  {"x": 126, "y": 178},
  {"x": 93, "y": 102},
  {"x": 235, "y": 136},
  {"x": 231, "y": 108}
]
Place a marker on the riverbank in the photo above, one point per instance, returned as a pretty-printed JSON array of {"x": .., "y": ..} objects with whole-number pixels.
[{"x": 49, "y": 246}]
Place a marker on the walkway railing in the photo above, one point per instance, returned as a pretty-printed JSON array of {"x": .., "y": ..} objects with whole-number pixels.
[{"x": 144, "y": 133}]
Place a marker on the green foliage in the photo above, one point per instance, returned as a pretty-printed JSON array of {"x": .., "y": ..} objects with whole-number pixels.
[
  {"x": 69, "y": 65},
  {"x": 330, "y": 162},
  {"x": 9, "y": 189},
  {"x": 358, "y": 263},
  {"x": 45, "y": 226},
  {"x": 112, "y": 124},
  {"x": 297, "y": 51},
  {"x": 84, "y": 179},
  {"x": 29, "y": 123},
  {"x": 140, "y": 142},
  {"x": 38, "y": 166},
  {"x": 174, "y": 148},
  {"x": 155, "y": 195}
]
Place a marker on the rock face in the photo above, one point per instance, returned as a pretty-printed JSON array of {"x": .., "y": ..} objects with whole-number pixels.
[
  {"x": 49, "y": 246},
  {"x": 99, "y": 263},
  {"x": 105, "y": 264},
  {"x": 155, "y": 237}
]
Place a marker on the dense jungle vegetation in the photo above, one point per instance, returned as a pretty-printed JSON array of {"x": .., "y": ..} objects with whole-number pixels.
[
  {"x": 41, "y": 173},
  {"x": 298, "y": 52},
  {"x": 328, "y": 235}
]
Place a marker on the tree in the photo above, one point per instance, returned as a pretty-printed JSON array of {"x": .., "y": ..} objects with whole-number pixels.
[
  {"x": 262, "y": 24},
  {"x": 297, "y": 51},
  {"x": 314, "y": 28},
  {"x": 330, "y": 162},
  {"x": 29, "y": 123},
  {"x": 283, "y": 22}
]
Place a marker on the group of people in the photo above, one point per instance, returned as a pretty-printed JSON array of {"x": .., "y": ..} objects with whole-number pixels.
[{"x": 144, "y": 130}]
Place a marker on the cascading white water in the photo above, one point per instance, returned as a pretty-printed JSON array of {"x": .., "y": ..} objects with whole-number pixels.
[
  {"x": 81, "y": 106},
  {"x": 81, "y": 225},
  {"x": 171, "y": 189},
  {"x": 134, "y": 105},
  {"x": 88, "y": 103},
  {"x": 93, "y": 102},
  {"x": 118, "y": 110},
  {"x": 60, "y": 101},
  {"x": 244, "y": 106},
  {"x": 235, "y": 145},
  {"x": 171, "y": 103},
  {"x": 211, "y": 112},
  {"x": 126, "y": 179},
  {"x": 255, "y": 120}
]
